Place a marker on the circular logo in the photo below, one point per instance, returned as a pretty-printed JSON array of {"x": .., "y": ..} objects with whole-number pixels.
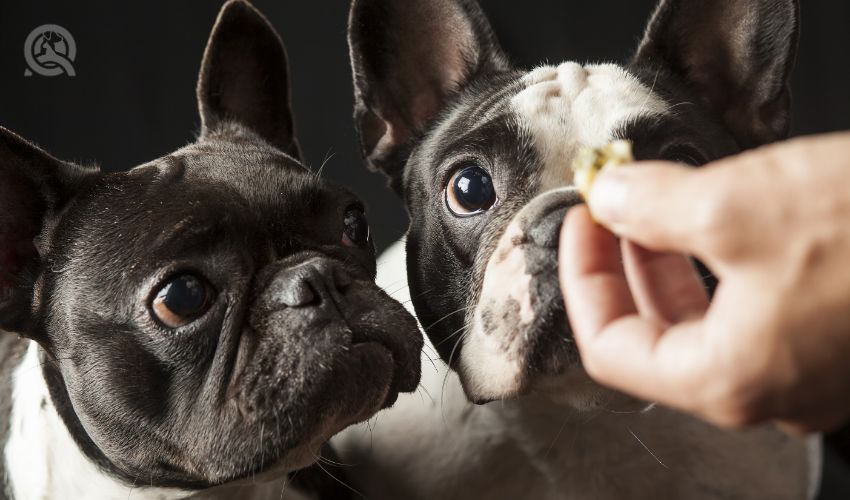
[{"x": 50, "y": 50}]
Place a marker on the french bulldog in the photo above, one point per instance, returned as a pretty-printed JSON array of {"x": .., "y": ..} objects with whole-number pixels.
[
  {"x": 200, "y": 325},
  {"x": 480, "y": 151}
]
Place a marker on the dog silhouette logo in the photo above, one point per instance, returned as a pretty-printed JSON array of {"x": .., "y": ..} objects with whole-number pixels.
[{"x": 50, "y": 50}]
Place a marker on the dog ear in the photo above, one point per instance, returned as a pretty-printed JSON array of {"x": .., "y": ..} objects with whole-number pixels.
[
  {"x": 737, "y": 55},
  {"x": 245, "y": 78},
  {"x": 34, "y": 187},
  {"x": 408, "y": 58}
]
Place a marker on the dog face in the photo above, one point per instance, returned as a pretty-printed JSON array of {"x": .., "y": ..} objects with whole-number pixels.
[
  {"x": 481, "y": 152},
  {"x": 210, "y": 314}
]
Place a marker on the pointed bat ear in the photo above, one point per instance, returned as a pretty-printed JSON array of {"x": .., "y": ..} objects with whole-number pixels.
[
  {"x": 736, "y": 55},
  {"x": 34, "y": 187},
  {"x": 408, "y": 58},
  {"x": 245, "y": 78}
]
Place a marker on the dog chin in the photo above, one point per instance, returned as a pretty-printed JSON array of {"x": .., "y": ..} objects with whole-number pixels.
[
  {"x": 500, "y": 378},
  {"x": 498, "y": 361},
  {"x": 360, "y": 384}
]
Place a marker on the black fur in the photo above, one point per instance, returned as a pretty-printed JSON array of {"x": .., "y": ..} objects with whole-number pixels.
[
  {"x": 736, "y": 57},
  {"x": 255, "y": 382}
]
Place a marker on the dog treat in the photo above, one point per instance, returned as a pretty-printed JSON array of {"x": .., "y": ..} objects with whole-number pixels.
[{"x": 591, "y": 161}]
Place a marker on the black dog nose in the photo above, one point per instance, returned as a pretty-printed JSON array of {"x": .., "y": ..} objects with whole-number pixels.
[
  {"x": 313, "y": 282},
  {"x": 545, "y": 219},
  {"x": 546, "y": 230}
]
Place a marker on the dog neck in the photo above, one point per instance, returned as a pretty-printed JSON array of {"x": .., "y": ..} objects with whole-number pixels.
[{"x": 43, "y": 461}]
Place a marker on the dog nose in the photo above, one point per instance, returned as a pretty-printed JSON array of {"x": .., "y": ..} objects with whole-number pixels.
[
  {"x": 311, "y": 283},
  {"x": 547, "y": 217},
  {"x": 546, "y": 230}
]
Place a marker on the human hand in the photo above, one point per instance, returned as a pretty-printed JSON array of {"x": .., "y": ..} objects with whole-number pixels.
[{"x": 774, "y": 226}]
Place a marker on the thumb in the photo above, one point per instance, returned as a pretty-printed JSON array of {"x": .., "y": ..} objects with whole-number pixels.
[{"x": 655, "y": 204}]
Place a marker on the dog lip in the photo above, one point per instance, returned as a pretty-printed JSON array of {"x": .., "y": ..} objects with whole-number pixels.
[
  {"x": 361, "y": 338},
  {"x": 392, "y": 391}
]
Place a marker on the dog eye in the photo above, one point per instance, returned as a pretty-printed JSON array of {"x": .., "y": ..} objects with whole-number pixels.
[
  {"x": 181, "y": 300},
  {"x": 684, "y": 154},
  {"x": 355, "y": 228},
  {"x": 470, "y": 191}
]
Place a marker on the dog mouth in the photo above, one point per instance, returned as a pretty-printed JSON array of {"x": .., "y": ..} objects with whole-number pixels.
[
  {"x": 346, "y": 357},
  {"x": 303, "y": 375},
  {"x": 365, "y": 323}
]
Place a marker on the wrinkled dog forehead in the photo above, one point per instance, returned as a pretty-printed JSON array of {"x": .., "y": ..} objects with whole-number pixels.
[
  {"x": 556, "y": 109},
  {"x": 572, "y": 106}
]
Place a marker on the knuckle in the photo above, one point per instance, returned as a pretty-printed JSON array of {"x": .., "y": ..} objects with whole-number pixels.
[
  {"x": 596, "y": 366},
  {"x": 713, "y": 213},
  {"x": 591, "y": 364},
  {"x": 736, "y": 415},
  {"x": 795, "y": 151},
  {"x": 738, "y": 404},
  {"x": 713, "y": 218}
]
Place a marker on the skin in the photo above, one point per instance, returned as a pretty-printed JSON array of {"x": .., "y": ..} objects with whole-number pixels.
[{"x": 774, "y": 226}]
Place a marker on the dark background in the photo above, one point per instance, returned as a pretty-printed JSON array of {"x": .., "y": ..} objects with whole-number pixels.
[{"x": 133, "y": 97}]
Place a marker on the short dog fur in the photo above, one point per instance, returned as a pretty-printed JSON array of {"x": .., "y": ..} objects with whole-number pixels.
[
  {"x": 480, "y": 151},
  {"x": 200, "y": 325}
]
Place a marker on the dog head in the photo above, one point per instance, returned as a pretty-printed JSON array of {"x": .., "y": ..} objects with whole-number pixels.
[
  {"x": 210, "y": 314},
  {"x": 481, "y": 153}
]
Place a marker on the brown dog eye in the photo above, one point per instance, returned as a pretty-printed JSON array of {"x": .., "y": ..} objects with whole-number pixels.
[
  {"x": 181, "y": 300},
  {"x": 470, "y": 191},
  {"x": 355, "y": 228}
]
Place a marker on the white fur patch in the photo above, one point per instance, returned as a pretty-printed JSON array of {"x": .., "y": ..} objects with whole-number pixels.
[
  {"x": 489, "y": 365},
  {"x": 43, "y": 461},
  {"x": 572, "y": 106}
]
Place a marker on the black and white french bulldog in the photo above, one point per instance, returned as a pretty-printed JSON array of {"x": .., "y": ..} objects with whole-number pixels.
[
  {"x": 481, "y": 151},
  {"x": 200, "y": 325}
]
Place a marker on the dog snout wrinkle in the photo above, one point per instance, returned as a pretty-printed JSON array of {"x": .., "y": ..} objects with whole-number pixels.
[
  {"x": 312, "y": 283},
  {"x": 295, "y": 292}
]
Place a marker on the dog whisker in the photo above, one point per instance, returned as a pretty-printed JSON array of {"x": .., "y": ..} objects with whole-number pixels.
[
  {"x": 651, "y": 93},
  {"x": 557, "y": 437},
  {"x": 647, "y": 448},
  {"x": 343, "y": 483},
  {"x": 447, "y": 316},
  {"x": 430, "y": 359},
  {"x": 328, "y": 156},
  {"x": 453, "y": 334},
  {"x": 446, "y": 378}
]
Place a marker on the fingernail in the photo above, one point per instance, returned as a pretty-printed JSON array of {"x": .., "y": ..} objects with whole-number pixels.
[{"x": 608, "y": 197}]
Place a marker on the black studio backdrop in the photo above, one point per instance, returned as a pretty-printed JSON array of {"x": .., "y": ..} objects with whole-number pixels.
[{"x": 132, "y": 98}]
